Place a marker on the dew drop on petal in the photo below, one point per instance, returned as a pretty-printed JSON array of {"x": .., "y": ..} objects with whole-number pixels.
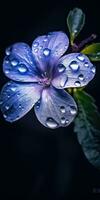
[
  {"x": 74, "y": 66},
  {"x": 93, "y": 69},
  {"x": 80, "y": 57},
  {"x": 7, "y": 107},
  {"x": 63, "y": 120},
  {"x": 77, "y": 83},
  {"x": 61, "y": 68},
  {"x": 73, "y": 110},
  {"x": 38, "y": 104},
  {"x": 13, "y": 89},
  {"x": 46, "y": 52},
  {"x": 6, "y": 71},
  {"x": 81, "y": 77},
  {"x": 67, "y": 121},
  {"x": 45, "y": 39},
  {"x": 62, "y": 109},
  {"x": 36, "y": 50},
  {"x": 63, "y": 80},
  {"x": 35, "y": 44},
  {"x": 14, "y": 62},
  {"x": 86, "y": 64},
  {"x": 51, "y": 123},
  {"x": 20, "y": 106},
  {"x": 5, "y": 116},
  {"x": 8, "y": 51},
  {"x": 22, "y": 68}
]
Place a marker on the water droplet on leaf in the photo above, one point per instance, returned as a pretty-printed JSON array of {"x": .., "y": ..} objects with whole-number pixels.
[
  {"x": 63, "y": 120},
  {"x": 14, "y": 62},
  {"x": 51, "y": 123},
  {"x": 77, "y": 83},
  {"x": 46, "y": 52},
  {"x": 62, "y": 109},
  {"x": 61, "y": 68},
  {"x": 80, "y": 57},
  {"x": 74, "y": 66},
  {"x": 73, "y": 110},
  {"x": 81, "y": 77},
  {"x": 22, "y": 68}
]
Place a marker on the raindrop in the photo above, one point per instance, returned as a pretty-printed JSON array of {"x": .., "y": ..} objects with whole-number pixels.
[
  {"x": 6, "y": 71},
  {"x": 35, "y": 44},
  {"x": 73, "y": 110},
  {"x": 63, "y": 120},
  {"x": 67, "y": 121},
  {"x": 81, "y": 77},
  {"x": 36, "y": 50},
  {"x": 22, "y": 68},
  {"x": 77, "y": 83},
  {"x": 86, "y": 64},
  {"x": 1, "y": 102},
  {"x": 46, "y": 52},
  {"x": 8, "y": 51},
  {"x": 80, "y": 57},
  {"x": 20, "y": 106},
  {"x": 41, "y": 47},
  {"x": 74, "y": 66},
  {"x": 13, "y": 89},
  {"x": 63, "y": 80},
  {"x": 7, "y": 107},
  {"x": 93, "y": 69},
  {"x": 38, "y": 104},
  {"x": 51, "y": 123},
  {"x": 5, "y": 116},
  {"x": 8, "y": 96},
  {"x": 61, "y": 68},
  {"x": 62, "y": 109},
  {"x": 45, "y": 39},
  {"x": 14, "y": 62}
]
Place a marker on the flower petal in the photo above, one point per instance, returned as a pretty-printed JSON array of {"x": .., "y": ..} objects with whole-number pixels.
[
  {"x": 16, "y": 99},
  {"x": 56, "y": 108},
  {"x": 19, "y": 64},
  {"x": 49, "y": 48},
  {"x": 73, "y": 70}
]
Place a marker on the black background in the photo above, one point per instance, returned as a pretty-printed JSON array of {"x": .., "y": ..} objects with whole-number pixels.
[{"x": 35, "y": 162}]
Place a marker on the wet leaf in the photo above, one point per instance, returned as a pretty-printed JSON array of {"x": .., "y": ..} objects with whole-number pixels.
[
  {"x": 75, "y": 22},
  {"x": 92, "y": 51},
  {"x": 87, "y": 127}
]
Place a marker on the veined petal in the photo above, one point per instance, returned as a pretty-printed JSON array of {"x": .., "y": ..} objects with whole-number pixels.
[
  {"x": 16, "y": 99},
  {"x": 49, "y": 48},
  {"x": 56, "y": 108},
  {"x": 73, "y": 70},
  {"x": 19, "y": 64}
]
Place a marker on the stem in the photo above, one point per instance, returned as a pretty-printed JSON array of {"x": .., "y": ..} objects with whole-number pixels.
[{"x": 77, "y": 48}]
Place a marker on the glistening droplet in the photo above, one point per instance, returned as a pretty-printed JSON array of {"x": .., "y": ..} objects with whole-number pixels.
[
  {"x": 93, "y": 69},
  {"x": 63, "y": 120},
  {"x": 35, "y": 44},
  {"x": 74, "y": 66},
  {"x": 61, "y": 68},
  {"x": 77, "y": 83},
  {"x": 22, "y": 68},
  {"x": 81, "y": 77},
  {"x": 80, "y": 57},
  {"x": 62, "y": 109},
  {"x": 86, "y": 64},
  {"x": 14, "y": 62},
  {"x": 46, "y": 52},
  {"x": 7, "y": 107},
  {"x": 73, "y": 110},
  {"x": 51, "y": 123}
]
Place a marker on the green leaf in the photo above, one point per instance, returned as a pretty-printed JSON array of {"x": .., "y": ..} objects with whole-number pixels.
[
  {"x": 92, "y": 51},
  {"x": 75, "y": 22},
  {"x": 87, "y": 127}
]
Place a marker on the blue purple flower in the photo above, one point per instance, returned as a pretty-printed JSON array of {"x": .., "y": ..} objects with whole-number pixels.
[{"x": 38, "y": 78}]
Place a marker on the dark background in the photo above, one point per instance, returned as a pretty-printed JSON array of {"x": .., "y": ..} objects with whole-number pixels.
[{"x": 35, "y": 162}]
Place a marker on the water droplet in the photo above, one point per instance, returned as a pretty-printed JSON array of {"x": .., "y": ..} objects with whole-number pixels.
[
  {"x": 38, "y": 104},
  {"x": 8, "y": 96},
  {"x": 74, "y": 66},
  {"x": 45, "y": 39},
  {"x": 14, "y": 62},
  {"x": 62, "y": 109},
  {"x": 5, "y": 116},
  {"x": 77, "y": 83},
  {"x": 20, "y": 106},
  {"x": 41, "y": 47},
  {"x": 63, "y": 80},
  {"x": 36, "y": 50},
  {"x": 61, "y": 68},
  {"x": 7, "y": 107},
  {"x": 22, "y": 68},
  {"x": 46, "y": 52},
  {"x": 13, "y": 89},
  {"x": 8, "y": 51},
  {"x": 81, "y": 57},
  {"x": 1, "y": 102},
  {"x": 51, "y": 123},
  {"x": 81, "y": 77},
  {"x": 93, "y": 69},
  {"x": 73, "y": 110},
  {"x": 86, "y": 64},
  {"x": 63, "y": 120},
  {"x": 67, "y": 121},
  {"x": 6, "y": 71},
  {"x": 35, "y": 44},
  {"x": 18, "y": 95}
]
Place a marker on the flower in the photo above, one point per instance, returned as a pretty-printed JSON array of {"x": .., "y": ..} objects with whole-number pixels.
[{"x": 39, "y": 77}]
